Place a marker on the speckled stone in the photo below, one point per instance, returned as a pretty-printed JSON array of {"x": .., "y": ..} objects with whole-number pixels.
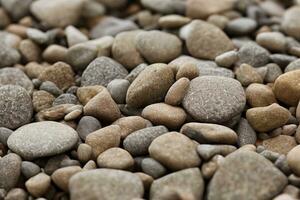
[
  {"x": 10, "y": 171},
  {"x": 253, "y": 54},
  {"x": 42, "y": 139},
  {"x": 281, "y": 144}
]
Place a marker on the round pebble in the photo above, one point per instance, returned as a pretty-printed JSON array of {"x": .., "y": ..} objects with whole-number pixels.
[
  {"x": 61, "y": 177},
  {"x": 293, "y": 160},
  {"x": 38, "y": 185},
  {"x": 273, "y": 41},
  {"x": 259, "y": 95},
  {"x": 10, "y": 171},
  {"x": 241, "y": 26},
  {"x": 177, "y": 92}
]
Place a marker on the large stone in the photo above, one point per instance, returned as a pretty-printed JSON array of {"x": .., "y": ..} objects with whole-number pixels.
[
  {"x": 10, "y": 171},
  {"x": 106, "y": 184},
  {"x": 290, "y": 23},
  {"x": 246, "y": 175},
  {"x": 281, "y": 144},
  {"x": 294, "y": 160},
  {"x": 42, "y": 139},
  {"x": 214, "y": 99}
]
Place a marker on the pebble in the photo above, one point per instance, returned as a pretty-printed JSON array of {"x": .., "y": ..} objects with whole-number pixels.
[
  {"x": 267, "y": 118},
  {"x": 253, "y": 54},
  {"x": 177, "y": 92},
  {"x": 287, "y": 87},
  {"x": 90, "y": 165},
  {"x": 241, "y": 26},
  {"x": 103, "y": 139},
  {"x": 293, "y": 160},
  {"x": 8, "y": 56},
  {"x": 105, "y": 184},
  {"x": 4, "y": 135},
  {"x": 80, "y": 55},
  {"x": 209, "y": 168},
  {"x": 57, "y": 13},
  {"x": 111, "y": 26},
  {"x": 236, "y": 178},
  {"x": 165, "y": 7},
  {"x": 118, "y": 90},
  {"x": 150, "y": 86},
  {"x": 65, "y": 99},
  {"x": 201, "y": 9},
  {"x": 86, "y": 93},
  {"x": 270, "y": 155},
  {"x": 87, "y": 125},
  {"x": 30, "y": 51},
  {"x": 4, "y": 19},
  {"x": 209, "y": 133},
  {"x": 15, "y": 76},
  {"x": 103, "y": 107},
  {"x": 184, "y": 183},
  {"x": 37, "y": 36},
  {"x": 259, "y": 95},
  {"x": 84, "y": 152},
  {"x": 153, "y": 168},
  {"x": 15, "y": 106},
  {"x": 74, "y": 36},
  {"x": 272, "y": 73},
  {"x": 54, "y": 53},
  {"x": 282, "y": 59},
  {"x": 173, "y": 21},
  {"x": 246, "y": 134},
  {"x": 273, "y": 41},
  {"x": 135, "y": 72},
  {"x": 61, "y": 74},
  {"x": 175, "y": 151},
  {"x": 282, "y": 164},
  {"x": 187, "y": 70},
  {"x": 10, "y": 171},
  {"x": 137, "y": 143},
  {"x": 42, "y": 139},
  {"x": 214, "y": 99},
  {"x": 247, "y": 74},
  {"x": 124, "y": 47},
  {"x": 16, "y": 8},
  {"x": 51, "y": 88},
  {"x": 281, "y": 144},
  {"x": 61, "y": 177},
  {"x": 101, "y": 71},
  {"x": 206, "y": 41},
  {"x": 115, "y": 158},
  {"x": 227, "y": 59},
  {"x": 295, "y": 65},
  {"x": 163, "y": 114},
  {"x": 29, "y": 169},
  {"x": 207, "y": 151},
  {"x": 289, "y": 129},
  {"x": 38, "y": 185},
  {"x": 131, "y": 124},
  {"x": 16, "y": 194},
  {"x": 158, "y": 46},
  {"x": 291, "y": 15}
]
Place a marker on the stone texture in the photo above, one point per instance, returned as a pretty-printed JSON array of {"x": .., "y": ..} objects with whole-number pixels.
[
  {"x": 118, "y": 90},
  {"x": 8, "y": 56},
  {"x": 253, "y": 54},
  {"x": 106, "y": 184},
  {"x": 214, "y": 99},
  {"x": 177, "y": 91},
  {"x": 206, "y": 41},
  {"x": 42, "y": 139},
  {"x": 209, "y": 133},
  {"x": 247, "y": 75},
  {"x": 290, "y": 23},
  {"x": 241, "y": 26},
  {"x": 38, "y": 185},
  {"x": 61, "y": 177},
  {"x": 239, "y": 178},
  {"x": 293, "y": 160},
  {"x": 273, "y": 41},
  {"x": 150, "y": 86},
  {"x": 10, "y": 171},
  {"x": 259, "y": 95},
  {"x": 87, "y": 125},
  {"x": 153, "y": 168},
  {"x": 281, "y": 144},
  {"x": 207, "y": 151},
  {"x": 246, "y": 134},
  {"x": 175, "y": 151}
]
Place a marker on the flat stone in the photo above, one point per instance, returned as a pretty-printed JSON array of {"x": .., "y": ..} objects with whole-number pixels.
[
  {"x": 207, "y": 41},
  {"x": 281, "y": 144},
  {"x": 41, "y": 139},
  {"x": 66, "y": 98},
  {"x": 209, "y": 133},
  {"x": 227, "y": 59},
  {"x": 15, "y": 106},
  {"x": 173, "y": 21},
  {"x": 57, "y": 13},
  {"x": 253, "y": 54},
  {"x": 137, "y": 143},
  {"x": 175, "y": 151},
  {"x": 150, "y": 86},
  {"x": 101, "y": 71},
  {"x": 74, "y": 36},
  {"x": 241, "y": 26},
  {"x": 158, "y": 46},
  {"x": 273, "y": 41},
  {"x": 267, "y": 118},
  {"x": 10, "y": 171},
  {"x": 214, "y": 99},
  {"x": 106, "y": 184},
  {"x": 184, "y": 183},
  {"x": 238, "y": 178},
  {"x": 165, "y": 7}
]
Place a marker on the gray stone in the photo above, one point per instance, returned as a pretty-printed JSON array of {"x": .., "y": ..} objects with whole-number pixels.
[
  {"x": 29, "y": 169},
  {"x": 207, "y": 151},
  {"x": 111, "y": 26},
  {"x": 15, "y": 106},
  {"x": 50, "y": 87},
  {"x": 282, "y": 59},
  {"x": 253, "y": 54},
  {"x": 135, "y": 72},
  {"x": 87, "y": 125},
  {"x": 153, "y": 168},
  {"x": 16, "y": 8},
  {"x": 4, "y": 135},
  {"x": 101, "y": 71},
  {"x": 37, "y": 36},
  {"x": 80, "y": 55},
  {"x": 246, "y": 134},
  {"x": 184, "y": 183},
  {"x": 214, "y": 99},
  {"x": 273, "y": 72},
  {"x": 239, "y": 178},
  {"x": 241, "y": 26},
  {"x": 8, "y": 56},
  {"x": 74, "y": 36},
  {"x": 65, "y": 99},
  {"x": 42, "y": 139},
  {"x": 294, "y": 65},
  {"x": 10, "y": 171},
  {"x": 290, "y": 23},
  {"x": 166, "y": 6},
  {"x": 227, "y": 59},
  {"x": 105, "y": 184},
  {"x": 118, "y": 90},
  {"x": 137, "y": 143}
]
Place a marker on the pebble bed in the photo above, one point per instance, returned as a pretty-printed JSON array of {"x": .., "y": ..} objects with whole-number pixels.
[{"x": 149, "y": 99}]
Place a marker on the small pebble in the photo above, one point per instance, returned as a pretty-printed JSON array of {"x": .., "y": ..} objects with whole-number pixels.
[
  {"x": 29, "y": 169},
  {"x": 293, "y": 160},
  {"x": 259, "y": 95},
  {"x": 61, "y": 177},
  {"x": 38, "y": 185},
  {"x": 241, "y": 26},
  {"x": 281, "y": 144},
  {"x": 247, "y": 75},
  {"x": 207, "y": 151},
  {"x": 273, "y": 41},
  {"x": 118, "y": 90},
  {"x": 153, "y": 168},
  {"x": 84, "y": 152},
  {"x": 227, "y": 59},
  {"x": 177, "y": 92}
]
